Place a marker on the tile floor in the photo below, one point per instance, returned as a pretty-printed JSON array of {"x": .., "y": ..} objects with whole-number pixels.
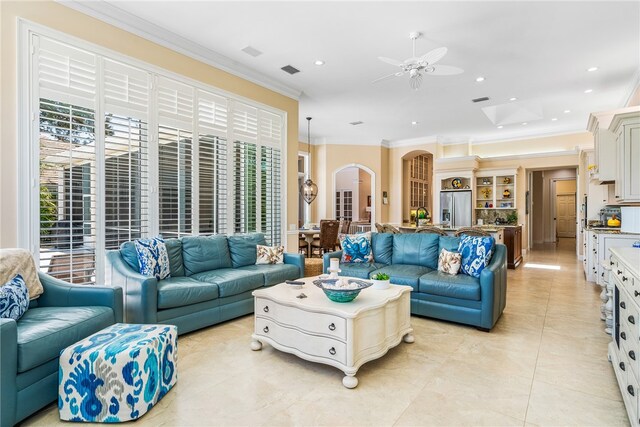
[{"x": 545, "y": 363}]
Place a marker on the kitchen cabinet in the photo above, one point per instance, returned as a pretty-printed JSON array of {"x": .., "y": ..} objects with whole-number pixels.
[
  {"x": 626, "y": 128},
  {"x": 591, "y": 256},
  {"x": 597, "y": 250},
  {"x": 513, "y": 241},
  {"x": 624, "y": 349},
  {"x": 496, "y": 189},
  {"x": 604, "y": 143}
]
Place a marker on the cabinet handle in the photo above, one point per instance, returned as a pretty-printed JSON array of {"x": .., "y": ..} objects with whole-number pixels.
[
  {"x": 632, "y": 355},
  {"x": 622, "y": 304},
  {"x": 266, "y": 309},
  {"x": 594, "y": 251},
  {"x": 632, "y": 320},
  {"x": 624, "y": 279},
  {"x": 619, "y": 272},
  {"x": 630, "y": 390},
  {"x": 611, "y": 262},
  {"x": 622, "y": 366},
  {"x": 636, "y": 293},
  {"x": 332, "y": 351},
  {"x": 266, "y": 329},
  {"x": 623, "y": 336},
  {"x": 332, "y": 327}
]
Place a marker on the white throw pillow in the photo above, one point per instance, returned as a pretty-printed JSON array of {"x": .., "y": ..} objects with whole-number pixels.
[
  {"x": 269, "y": 254},
  {"x": 449, "y": 262}
]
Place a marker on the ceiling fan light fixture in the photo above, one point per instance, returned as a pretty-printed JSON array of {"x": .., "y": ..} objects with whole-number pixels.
[{"x": 415, "y": 81}]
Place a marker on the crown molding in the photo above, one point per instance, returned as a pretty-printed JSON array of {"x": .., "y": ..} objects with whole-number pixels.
[
  {"x": 522, "y": 137},
  {"x": 574, "y": 152},
  {"x": 126, "y": 21}
]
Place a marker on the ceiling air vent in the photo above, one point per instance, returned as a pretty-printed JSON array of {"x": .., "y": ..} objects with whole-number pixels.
[
  {"x": 356, "y": 123},
  {"x": 290, "y": 69},
  {"x": 484, "y": 98},
  {"x": 250, "y": 50}
]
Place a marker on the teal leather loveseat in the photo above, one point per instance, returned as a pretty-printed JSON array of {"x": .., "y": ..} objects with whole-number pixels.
[
  {"x": 212, "y": 278},
  {"x": 412, "y": 260},
  {"x": 63, "y": 315}
]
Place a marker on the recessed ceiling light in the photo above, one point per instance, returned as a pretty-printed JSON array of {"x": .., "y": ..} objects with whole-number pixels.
[
  {"x": 513, "y": 99},
  {"x": 414, "y": 123},
  {"x": 592, "y": 69},
  {"x": 479, "y": 79},
  {"x": 524, "y": 123},
  {"x": 319, "y": 62},
  {"x": 588, "y": 91},
  {"x": 500, "y": 127},
  {"x": 554, "y": 119},
  {"x": 567, "y": 111}
]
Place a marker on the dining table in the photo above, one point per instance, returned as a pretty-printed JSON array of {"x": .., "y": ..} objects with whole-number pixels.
[{"x": 309, "y": 234}]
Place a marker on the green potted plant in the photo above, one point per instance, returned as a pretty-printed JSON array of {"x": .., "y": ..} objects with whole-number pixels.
[
  {"x": 380, "y": 281},
  {"x": 512, "y": 218}
]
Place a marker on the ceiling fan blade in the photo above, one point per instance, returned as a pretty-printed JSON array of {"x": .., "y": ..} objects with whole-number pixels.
[
  {"x": 390, "y": 61},
  {"x": 398, "y": 74},
  {"x": 445, "y": 70},
  {"x": 434, "y": 56}
]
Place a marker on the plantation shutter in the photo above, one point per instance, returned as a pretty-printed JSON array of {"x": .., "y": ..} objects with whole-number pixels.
[
  {"x": 244, "y": 186},
  {"x": 212, "y": 163},
  {"x": 126, "y": 164},
  {"x": 270, "y": 180},
  {"x": 175, "y": 158}
]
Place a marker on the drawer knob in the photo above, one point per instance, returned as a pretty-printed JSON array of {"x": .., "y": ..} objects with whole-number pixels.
[
  {"x": 623, "y": 335},
  {"x": 636, "y": 293},
  {"x": 632, "y": 355},
  {"x": 632, "y": 320},
  {"x": 332, "y": 351},
  {"x": 631, "y": 391},
  {"x": 622, "y": 366},
  {"x": 622, "y": 304},
  {"x": 332, "y": 327},
  {"x": 266, "y": 329},
  {"x": 611, "y": 262},
  {"x": 624, "y": 279},
  {"x": 619, "y": 272},
  {"x": 266, "y": 309}
]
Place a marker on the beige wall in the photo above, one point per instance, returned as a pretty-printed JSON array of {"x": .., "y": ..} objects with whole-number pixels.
[
  {"x": 635, "y": 98},
  {"x": 56, "y": 16}
]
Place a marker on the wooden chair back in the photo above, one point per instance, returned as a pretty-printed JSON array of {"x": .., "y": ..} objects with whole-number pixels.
[
  {"x": 432, "y": 230},
  {"x": 379, "y": 228},
  {"x": 470, "y": 231},
  {"x": 328, "y": 233},
  {"x": 387, "y": 228}
]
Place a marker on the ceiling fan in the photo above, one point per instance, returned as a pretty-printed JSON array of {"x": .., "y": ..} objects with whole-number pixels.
[{"x": 416, "y": 66}]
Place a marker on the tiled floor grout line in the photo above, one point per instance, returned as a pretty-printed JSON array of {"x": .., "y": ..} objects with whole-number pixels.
[{"x": 535, "y": 366}]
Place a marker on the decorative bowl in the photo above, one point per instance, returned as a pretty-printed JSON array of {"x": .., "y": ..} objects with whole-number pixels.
[{"x": 341, "y": 294}]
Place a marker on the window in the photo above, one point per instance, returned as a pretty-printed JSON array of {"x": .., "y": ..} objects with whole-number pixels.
[{"x": 125, "y": 151}]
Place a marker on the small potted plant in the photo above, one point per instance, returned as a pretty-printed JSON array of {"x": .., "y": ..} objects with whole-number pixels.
[{"x": 380, "y": 281}]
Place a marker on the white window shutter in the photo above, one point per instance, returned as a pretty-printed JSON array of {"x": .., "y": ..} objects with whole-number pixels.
[
  {"x": 271, "y": 204},
  {"x": 175, "y": 103},
  {"x": 126, "y": 90},
  {"x": 65, "y": 73},
  {"x": 245, "y": 122},
  {"x": 270, "y": 128},
  {"x": 212, "y": 114}
]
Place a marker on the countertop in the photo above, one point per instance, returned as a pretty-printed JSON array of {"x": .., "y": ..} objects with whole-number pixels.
[
  {"x": 609, "y": 230},
  {"x": 630, "y": 257}
]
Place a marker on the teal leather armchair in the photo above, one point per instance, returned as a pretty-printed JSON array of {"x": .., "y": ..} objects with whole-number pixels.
[{"x": 63, "y": 315}]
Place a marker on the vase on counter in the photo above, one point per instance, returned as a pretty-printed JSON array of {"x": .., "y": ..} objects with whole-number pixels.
[{"x": 486, "y": 204}]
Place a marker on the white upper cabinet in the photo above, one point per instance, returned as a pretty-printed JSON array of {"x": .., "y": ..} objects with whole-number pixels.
[
  {"x": 626, "y": 128},
  {"x": 604, "y": 170}
]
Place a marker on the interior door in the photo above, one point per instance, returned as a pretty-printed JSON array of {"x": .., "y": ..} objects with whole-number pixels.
[
  {"x": 566, "y": 210},
  {"x": 344, "y": 205}
]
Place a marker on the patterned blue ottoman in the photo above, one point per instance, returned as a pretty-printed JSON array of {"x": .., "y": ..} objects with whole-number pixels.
[{"x": 117, "y": 374}]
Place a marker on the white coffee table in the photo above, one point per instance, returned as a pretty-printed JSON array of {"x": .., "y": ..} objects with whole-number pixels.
[{"x": 344, "y": 335}]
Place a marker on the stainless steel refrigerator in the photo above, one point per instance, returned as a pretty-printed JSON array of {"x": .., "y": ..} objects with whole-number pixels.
[{"x": 455, "y": 208}]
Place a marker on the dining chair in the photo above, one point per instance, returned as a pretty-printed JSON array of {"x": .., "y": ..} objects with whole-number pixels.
[
  {"x": 328, "y": 236},
  {"x": 431, "y": 229},
  {"x": 470, "y": 231}
]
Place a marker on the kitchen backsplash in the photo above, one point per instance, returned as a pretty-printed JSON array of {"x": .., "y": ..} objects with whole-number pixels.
[{"x": 489, "y": 215}]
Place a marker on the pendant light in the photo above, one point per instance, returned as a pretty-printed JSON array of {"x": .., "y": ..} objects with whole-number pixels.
[{"x": 309, "y": 190}]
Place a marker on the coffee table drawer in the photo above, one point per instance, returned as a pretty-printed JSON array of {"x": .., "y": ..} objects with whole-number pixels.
[
  {"x": 309, "y": 344},
  {"x": 315, "y": 323}
]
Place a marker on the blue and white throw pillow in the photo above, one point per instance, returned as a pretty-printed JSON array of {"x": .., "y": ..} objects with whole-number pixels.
[
  {"x": 476, "y": 253},
  {"x": 356, "y": 247},
  {"x": 14, "y": 298},
  {"x": 153, "y": 257}
]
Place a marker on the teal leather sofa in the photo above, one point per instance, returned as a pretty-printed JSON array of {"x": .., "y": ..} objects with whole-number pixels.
[
  {"x": 412, "y": 260},
  {"x": 63, "y": 315},
  {"x": 212, "y": 278}
]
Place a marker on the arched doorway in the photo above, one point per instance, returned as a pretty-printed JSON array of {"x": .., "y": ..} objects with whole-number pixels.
[
  {"x": 353, "y": 196},
  {"x": 417, "y": 184}
]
